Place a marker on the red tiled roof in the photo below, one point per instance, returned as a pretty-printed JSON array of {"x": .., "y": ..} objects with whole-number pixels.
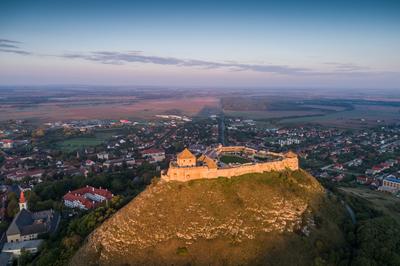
[
  {"x": 151, "y": 151},
  {"x": 35, "y": 172},
  {"x": 78, "y": 195},
  {"x": 75, "y": 197},
  {"x": 92, "y": 190}
]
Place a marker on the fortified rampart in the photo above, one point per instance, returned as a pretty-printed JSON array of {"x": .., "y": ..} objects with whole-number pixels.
[{"x": 207, "y": 171}]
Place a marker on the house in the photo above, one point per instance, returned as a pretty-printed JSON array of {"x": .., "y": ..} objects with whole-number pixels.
[
  {"x": 155, "y": 155},
  {"x": 83, "y": 171},
  {"x": 28, "y": 225},
  {"x": 338, "y": 166},
  {"x": 355, "y": 162},
  {"x": 124, "y": 121},
  {"x": 89, "y": 163},
  {"x": 364, "y": 180},
  {"x": 86, "y": 198},
  {"x": 103, "y": 156},
  {"x": 119, "y": 162},
  {"x": 7, "y": 143},
  {"x": 338, "y": 178},
  {"x": 375, "y": 170},
  {"x": 18, "y": 175}
]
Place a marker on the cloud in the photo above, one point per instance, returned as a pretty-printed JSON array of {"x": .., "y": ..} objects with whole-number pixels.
[
  {"x": 9, "y": 46},
  {"x": 118, "y": 58},
  {"x": 15, "y": 51},
  {"x": 4, "y": 43},
  {"x": 346, "y": 67},
  {"x": 121, "y": 58}
]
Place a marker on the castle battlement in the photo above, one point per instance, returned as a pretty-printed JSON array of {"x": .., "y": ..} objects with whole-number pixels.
[{"x": 188, "y": 167}]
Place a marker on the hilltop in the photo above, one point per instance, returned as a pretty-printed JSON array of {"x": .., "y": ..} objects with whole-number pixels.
[{"x": 268, "y": 218}]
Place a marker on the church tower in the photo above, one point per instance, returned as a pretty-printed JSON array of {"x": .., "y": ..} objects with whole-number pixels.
[{"x": 23, "y": 204}]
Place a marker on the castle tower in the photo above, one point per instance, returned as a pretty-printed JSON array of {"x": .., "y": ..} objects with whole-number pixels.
[
  {"x": 290, "y": 154},
  {"x": 23, "y": 204},
  {"x": 186, "y": 159}
]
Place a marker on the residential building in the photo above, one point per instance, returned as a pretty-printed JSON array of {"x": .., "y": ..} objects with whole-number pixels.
[
  {"x": 156, "y": 155},
  {"x": 390, "y": 184},
  {"x": 86, "y": 198}
]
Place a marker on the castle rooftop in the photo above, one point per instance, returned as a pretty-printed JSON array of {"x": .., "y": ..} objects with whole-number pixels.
[{"x": 185, "y": 154}]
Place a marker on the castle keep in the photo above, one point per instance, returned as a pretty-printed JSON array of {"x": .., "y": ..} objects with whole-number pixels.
[{"x": 209, "y": 165}]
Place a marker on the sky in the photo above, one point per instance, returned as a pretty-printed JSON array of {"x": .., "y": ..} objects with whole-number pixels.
[{"x": 286, "y": 43}]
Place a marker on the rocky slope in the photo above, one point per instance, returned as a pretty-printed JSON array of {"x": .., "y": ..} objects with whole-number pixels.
[{"x": 250, "y": 219}]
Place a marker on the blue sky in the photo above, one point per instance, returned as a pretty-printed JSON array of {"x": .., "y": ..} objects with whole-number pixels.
[{"x": 349, "y": 44}]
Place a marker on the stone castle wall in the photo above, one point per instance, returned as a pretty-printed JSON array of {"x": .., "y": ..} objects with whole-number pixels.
[{"x": 184, "y": 174}]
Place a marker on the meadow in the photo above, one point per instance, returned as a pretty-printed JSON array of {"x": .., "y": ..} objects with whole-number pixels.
[{"x": 76, "y": 143}]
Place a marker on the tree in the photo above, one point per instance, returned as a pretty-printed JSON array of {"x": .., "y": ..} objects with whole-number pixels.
[
  {"x": 13, "y": 206},
  {"x": 32, "y": 199},
  {"x": 117, "y": 185},
  {"x": 72, "y": 242},
  {"x": 3, "y": 226},
  {"x": 38, "y": 133},
  {"x": 25, "y": 258}
]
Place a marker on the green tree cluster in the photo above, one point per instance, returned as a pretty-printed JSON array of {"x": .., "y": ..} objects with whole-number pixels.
[{"x": 59, "y": 249}]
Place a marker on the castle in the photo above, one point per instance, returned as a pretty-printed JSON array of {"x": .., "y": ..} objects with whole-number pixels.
[{"x": 209, "y": 165}]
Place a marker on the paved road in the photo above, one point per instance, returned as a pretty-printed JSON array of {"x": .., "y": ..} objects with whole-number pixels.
[{"x": 221, "y": 129}]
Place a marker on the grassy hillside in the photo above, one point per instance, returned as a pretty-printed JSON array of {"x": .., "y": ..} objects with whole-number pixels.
[{"x": 269, "y": 219}]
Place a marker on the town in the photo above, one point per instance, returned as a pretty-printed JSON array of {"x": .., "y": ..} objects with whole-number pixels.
[{"x": 68, "y": 176}]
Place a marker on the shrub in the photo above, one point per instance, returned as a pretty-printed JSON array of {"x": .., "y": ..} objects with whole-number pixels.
[{"x": 182, "y": 251}]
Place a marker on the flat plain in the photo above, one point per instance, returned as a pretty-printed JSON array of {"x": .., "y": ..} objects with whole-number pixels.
[{"x": 267, "y": 107}]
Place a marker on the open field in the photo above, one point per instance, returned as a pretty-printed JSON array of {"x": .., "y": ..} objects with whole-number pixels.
[
  {"x": 381, "y": 201},
  {"x": 270, "y": 114},
  {"x": 108, "y": 110},
  {"x": 361, "y": 115},
  {"x": 76, "y": 143},
  {"x": 347, "y": 113}
]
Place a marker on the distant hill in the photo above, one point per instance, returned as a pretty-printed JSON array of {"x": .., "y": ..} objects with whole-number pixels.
[{"x": 255, "y": 219}]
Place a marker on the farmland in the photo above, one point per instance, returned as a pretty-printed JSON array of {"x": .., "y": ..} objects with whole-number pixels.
[
  {"x": 267, "y": 107},
  {"x": 335, "y": 112},
  {"x": 48, "y": 105}
]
